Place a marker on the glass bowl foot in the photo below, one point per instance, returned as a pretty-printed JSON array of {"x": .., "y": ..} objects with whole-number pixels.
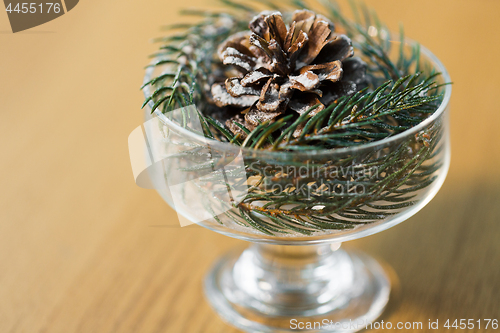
[{"x": 270, "y": 288}]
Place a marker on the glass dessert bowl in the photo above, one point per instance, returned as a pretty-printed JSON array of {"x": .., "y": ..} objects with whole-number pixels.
[{"x": 297, "y": 208}]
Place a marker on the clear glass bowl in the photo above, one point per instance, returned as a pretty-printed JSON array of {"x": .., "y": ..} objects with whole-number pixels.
[{"x": 279, "y": 284}]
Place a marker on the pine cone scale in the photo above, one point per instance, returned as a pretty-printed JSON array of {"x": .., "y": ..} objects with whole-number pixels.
[
  {"x": 337, "y": 49},
  {"x": 331, "y": 71},
  {"x": 256, "y": 77},
  {"x": 236, "y": 89},
  {"x": 222, "y": 98},
  {"x": 318, "y": 38},
  {"x": 269, "y": 100},
  {"x": 305, "y": 103},
  {"x": 232, "y": 56},
  {"x": 255, "y": 117},
  {"x": 305, "y": 82},
  {"x": 277, "y": 28}
]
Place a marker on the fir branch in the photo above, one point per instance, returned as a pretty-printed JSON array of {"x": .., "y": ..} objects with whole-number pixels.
[{"x": 402, "y": 93}]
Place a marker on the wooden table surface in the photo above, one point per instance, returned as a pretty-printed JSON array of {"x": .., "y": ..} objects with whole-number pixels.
[{"x": 82, "y": 249}]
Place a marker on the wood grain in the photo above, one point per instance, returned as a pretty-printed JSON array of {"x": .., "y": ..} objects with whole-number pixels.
[{"x": 82, "y": 249}]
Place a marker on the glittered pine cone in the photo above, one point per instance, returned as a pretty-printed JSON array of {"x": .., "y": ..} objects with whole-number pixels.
[{"x": 280, "y": 69}]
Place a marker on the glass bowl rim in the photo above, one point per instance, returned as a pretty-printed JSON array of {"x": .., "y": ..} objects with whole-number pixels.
[{"x": 262, "y": 153}]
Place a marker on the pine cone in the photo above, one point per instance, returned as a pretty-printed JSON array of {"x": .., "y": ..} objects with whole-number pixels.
[{"x": 280, "y": 69}]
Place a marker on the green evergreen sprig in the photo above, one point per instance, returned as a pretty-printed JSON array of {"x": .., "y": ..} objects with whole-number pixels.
[{"x": 400, "y": 95}]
